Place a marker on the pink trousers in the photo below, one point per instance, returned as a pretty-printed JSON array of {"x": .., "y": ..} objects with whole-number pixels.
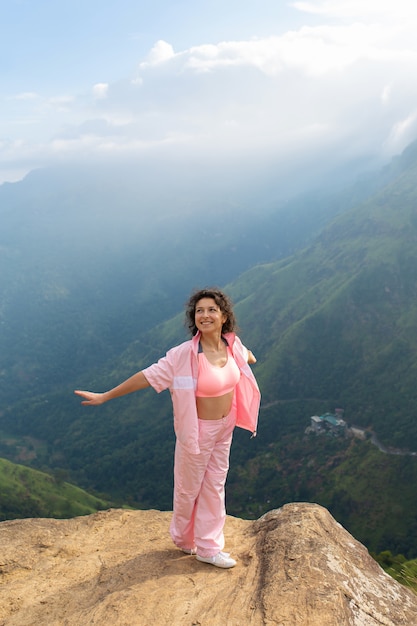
[{"x": 199, "y": 480}]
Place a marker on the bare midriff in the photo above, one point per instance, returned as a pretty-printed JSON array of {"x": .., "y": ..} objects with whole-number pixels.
[{"x": 214, "y": 408}]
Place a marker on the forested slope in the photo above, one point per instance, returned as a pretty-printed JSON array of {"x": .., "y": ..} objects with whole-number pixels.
[
  {"x": 25, "y": 492},
  {"x": 91, "y": 259},
  {"x": 339, "y": 320},
  {"x": 332, "y": 325}
]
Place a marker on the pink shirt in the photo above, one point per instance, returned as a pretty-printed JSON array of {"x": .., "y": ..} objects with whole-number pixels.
[{"x": 178, "y": 372}]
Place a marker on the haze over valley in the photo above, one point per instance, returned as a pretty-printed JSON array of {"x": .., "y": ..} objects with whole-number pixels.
[{"x": 276, "y": 159}]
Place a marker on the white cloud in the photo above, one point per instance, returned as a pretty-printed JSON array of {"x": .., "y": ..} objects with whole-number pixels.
[
  {"x": 315, "y": 50},
  {"x": 27, "y": 95},
  {"x": 402, "y": 133},
  {"x": 161, "y": 52},
  {"x": 347, "y": 86},
  {"x": 100, "y": 91},
  {"x": 360, "y": 9},
  {"x": 61, "y": 100},
  {"x": 386, "y": 94}
]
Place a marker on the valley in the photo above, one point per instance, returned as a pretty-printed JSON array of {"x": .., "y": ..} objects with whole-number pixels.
[{"x": 325, "y": 291}]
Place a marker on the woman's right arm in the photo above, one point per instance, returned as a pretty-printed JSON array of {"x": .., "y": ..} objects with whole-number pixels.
[{"x": 134, "y": 383}]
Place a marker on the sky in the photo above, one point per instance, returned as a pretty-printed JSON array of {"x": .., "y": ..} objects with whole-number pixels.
[{"x": 213, "y": 82}]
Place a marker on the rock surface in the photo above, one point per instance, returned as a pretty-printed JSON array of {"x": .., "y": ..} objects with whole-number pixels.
[{"x": 296, "y": 567}]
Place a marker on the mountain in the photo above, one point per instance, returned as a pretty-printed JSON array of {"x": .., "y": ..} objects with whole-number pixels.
[
  {"x": 295, "y": 566},
  {"x": 25, "y": 492},
  {"x": 339, "y": 319},
  {"x": 93, "y": 258},
  {"x": 332, "y": 325}
]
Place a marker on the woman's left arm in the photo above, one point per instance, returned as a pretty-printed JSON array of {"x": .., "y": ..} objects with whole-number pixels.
[{"x": 251, "y": 357}]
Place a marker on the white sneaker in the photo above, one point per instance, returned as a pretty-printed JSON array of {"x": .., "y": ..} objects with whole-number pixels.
[
  {"x": 219, "y": 560},
  {"x": 193, "y": 551}
]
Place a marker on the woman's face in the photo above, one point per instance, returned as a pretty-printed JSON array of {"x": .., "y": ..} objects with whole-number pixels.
[{"x": 208, "y": 316}]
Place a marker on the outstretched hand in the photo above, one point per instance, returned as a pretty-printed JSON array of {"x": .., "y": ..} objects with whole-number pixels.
[{"x": 91, "y": 398}]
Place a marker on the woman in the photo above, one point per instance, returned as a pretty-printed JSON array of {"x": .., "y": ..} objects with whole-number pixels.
[{"x": 213, "y": 390}]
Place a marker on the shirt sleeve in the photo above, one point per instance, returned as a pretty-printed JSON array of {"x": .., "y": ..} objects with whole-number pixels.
[{"x": 160, "y": 375}]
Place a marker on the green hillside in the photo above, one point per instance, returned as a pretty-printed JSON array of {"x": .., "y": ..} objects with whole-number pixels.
[
  {"x": 25, "y": 492},
  {"x": 337, "y": 323},
  {"x": 371, "y": 493},
  {"x": 334, "y": 325},
  {"x": 90, "y": 263},
  {"x": 399, "y": 568}
]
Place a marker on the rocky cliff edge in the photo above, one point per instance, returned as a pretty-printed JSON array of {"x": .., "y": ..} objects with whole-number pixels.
[{"x": 296, "y": 567}]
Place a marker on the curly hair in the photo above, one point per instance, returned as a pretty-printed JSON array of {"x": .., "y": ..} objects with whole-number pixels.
[{"x": 223, "y": 302}]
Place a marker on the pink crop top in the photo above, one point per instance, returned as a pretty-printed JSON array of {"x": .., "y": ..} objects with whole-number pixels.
[{"x": 216, "y": 381}]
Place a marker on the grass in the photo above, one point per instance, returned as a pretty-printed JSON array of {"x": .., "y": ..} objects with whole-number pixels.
[
  {"x": 403, "y": 571},
  {"x": 25, "y": 492}
]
